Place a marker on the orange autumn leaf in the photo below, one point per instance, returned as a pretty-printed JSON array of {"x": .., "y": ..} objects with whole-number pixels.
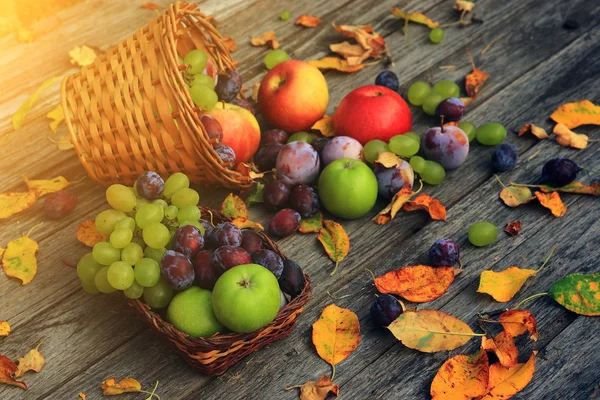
[
  {"x": 13, "y": 203},
  {"x": 88, "y": 234},
  {"x": 313, "y": 224},
  {"x": 475, "y": 80},
  {"x": 148, "y": 5},
  {"x": 568, "y": 138},
  {"x": 318, "y": 390},
  {"x": 416, "y": 17},
  {"x": 513, "y": 228},
  {"x": 4, "y": 327},
  {"x": 464, "y": 5},
  {"x": 461, "y": 377},
  {"x": 517, "y": 322},
  {"x": 346, "y": 49},
  {"x": 46, "y": 186},
  {"x": 7, "y": 371},
  {"x": 19, "y": 259},
  {"x": 417, "y": 283},
  {"x": 575, "y": 187},
  {"x": 335, "y": 241},
  {"x": 83, "y": 396},
  {"x": 365, "y": 36},
  {"x": 553, "y": 202},
  {"x": 229, "y": 43},
  {"x": 325, "y": 126},
  {"x": 504, "y": 382},
  {"x": 503, "y": 345},
  {"x": 582, "y": 112},
  {"x": 111, "y": 387},
  {"x": 388, "y": 213},
  {"x": 244, "y": 223},
  {"x": 537, "y": 131},
  {"x": 308, "y": 21},
  {"x": 336, "y": 334},
  {"x": 234, "y": 207},
  {"x": 33, "y": 361},
  {"x": 336, "y": 63},
  {"x": 425, "y": 202},
  {"x": 267, "y": 38},
  {"x": 502, "y": 286}
]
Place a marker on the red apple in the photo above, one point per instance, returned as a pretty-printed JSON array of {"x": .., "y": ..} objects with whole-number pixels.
[
  {"x": 372, "y": 112},
  {"x": 293, "y": 96},
  {"x": 240, "y": 129}
]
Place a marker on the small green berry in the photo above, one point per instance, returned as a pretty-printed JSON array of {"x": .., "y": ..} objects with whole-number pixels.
[{"x": 285, "y": 15}]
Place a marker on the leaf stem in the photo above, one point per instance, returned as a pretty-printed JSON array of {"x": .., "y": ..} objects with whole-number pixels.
[
  {"x": 528, "y": 299},
  {"x": 33, "y": 227},
  {"x": 548, "y": 258},
  {"x": 589, "y": 170},
  {"x": 333, "y": 372},
  {"x": 153, "y": 393},
  {"x": 335, "y": 269},
  {"x": 457, "y": 333},
  {"x": 370, "y": 272},
  {"x": 498, "y": 178}
]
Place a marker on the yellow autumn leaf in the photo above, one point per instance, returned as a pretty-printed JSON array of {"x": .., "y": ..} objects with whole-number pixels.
[
  {"x": 82, "y": 56},
  {"x": 63, "y": 142},
  {"x": 464, "y": 5},
  {"x": 19, "y": 259},
  {"x": 57, "y": 116},
  {"x": 4, "y": 325},
  {"x": 47, "y": 186},
  {"x": 325, "y": 126},
  {"x": 244, "y": 223},
  {"x": 13, "y": 203},
  {"x": 502, "y": 286},
  {"x": 388, "y": 159},
  {"x": 572, "y": 115},
  {"x": 33, "y": 361},
  {"x": 88, "y": 234},
  {"x": 568, "y": 138},
  {"x": 266, "y": 38},
  {"x": 111, "y": 387},
  {"x": 416, "y": 17},
  {"x": 337, "y": 64},
  {"x": 19, "y": 117}
]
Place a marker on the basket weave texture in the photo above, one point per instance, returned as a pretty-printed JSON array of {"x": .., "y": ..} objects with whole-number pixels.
[
  {"x": 130, "y": 111},
  {"x": 214, "y": 355}
]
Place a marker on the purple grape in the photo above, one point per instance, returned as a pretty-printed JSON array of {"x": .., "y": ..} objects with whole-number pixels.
[
  {"x": 188, "y": 241},
  {"x": 391, "y": 180},
  {"x": 388, "y": 79},
  {"x": 385, "y": 310},
  {"x": 559, "y": 172},
  {"x": 225, "y": 153},
  {"x": 273, "y": 136},
  {"x": 285, "y": 222},
  {"x": 504, "y": 157},
  {"x": 177, "y": 270},
  {"x": 243, "y": 104},
  {"x": 276, "y": 194},
  {"x": 227, "y": 257},
  {"x": 270, "y": 260},
  {"x": 451, "y": 109},
  {"x": 213, "y": 127},
  {"x": 444, "y": 252},
  {"x": 59, "y": 204},
  {"x": 206, "y": 274},
  {"x": 228, "y": 85},
  {"x": 298, "y": 163},
  {"x": 227, "y": 234},
  {"x": 150, "y": 185},
  {"x": 266, "y": 157},
  {"x": 305, "y": 200},
  {"x": 251, "y": 241},
  {"x": 292, "y": 279}
]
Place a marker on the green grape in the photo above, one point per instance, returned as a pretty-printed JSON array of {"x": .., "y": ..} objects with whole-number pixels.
[
  {"x": 203, "y": 96},
  {"x": 171, "y": 212},
  {"x": 193, "y": 223},
  {"x": 107, "y": 219},
  {"x": 135, "y": 291},
  {"x": 203, "y": 79},
  {"x": 159, "y": 295},
  {"x": 413, "y": 135},
  {"x": 126, "y": 223},
  {"x": 468, "y": 128},
  {"x": 196, "y": 61},
  {"x": 134, "y": 188},
  {"x": 132, "y": 253},
  {"x": 432, "y": 173},
  {"x": 275, "y": 57},
  {"x": 137, "y": 238},
  {"x": 431, "y": 102},
  {"x": 418, "y": 92},
  {"x": 154, "y": 254},
  {"x": 120, "y": 197},
  {"x": 482, "y": 233},
  {"x": 101, "y": 281},
  {"x": 175, "y": 182},
  {"x": 120, "y": 275},
  {"x": 87, "y": 268},
  {"x": 185, "y": 197},
  {"x": 373, "y": 148},
  {"x": 404, "y": 146},
  {"x": 148, "y": 214},
  {"x": 141, "y": 202},
  {"x": 417, "y": 163},
  {"x": 436, "y": 35},
  {"x": 120, "y": 238},
  {"x": 285, "y": 15},
  {"x": 105, "y": 253},
  {"x": 156, "y": 235},
  {"x": 163, "y": 204},
  {"x": 491, "y": 134},
  {"x": 147, "y": 272},
  {"x": 447, "y": 89},
  {"x": 90, "y": 287},
  {"x": 188, "y": 213},
  {"x": 301, "y": 137}
]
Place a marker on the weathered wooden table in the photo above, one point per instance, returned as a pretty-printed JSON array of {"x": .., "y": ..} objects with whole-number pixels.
[{"x": 535, "y": 64}]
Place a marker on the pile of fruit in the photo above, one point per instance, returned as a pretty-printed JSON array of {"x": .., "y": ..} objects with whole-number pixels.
[{"x": 160, "y": 249}]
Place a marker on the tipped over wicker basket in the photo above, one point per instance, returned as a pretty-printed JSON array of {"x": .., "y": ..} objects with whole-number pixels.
[
  {"x": 214, "y": 355},
  {"x": 130, "y": 111}
]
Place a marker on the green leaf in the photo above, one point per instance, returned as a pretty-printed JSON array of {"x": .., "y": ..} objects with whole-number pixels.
[
  {"x": 234, "y": 207},
  {"x": 579, "y": 293},
  {"x": 256, "y": 194},
  {"x": 312, "y": 224}
]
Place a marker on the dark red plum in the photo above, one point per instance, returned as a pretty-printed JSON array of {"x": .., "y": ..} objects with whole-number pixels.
[
  {"x": 227, "y": 234},
  {"x": 444, "y": 252},
  {"x": 177, "y": 270},
  {"x": 285, "y": 222},
  {"x": 276, "y": 194},
  {"x": 188, "y": 241},
  {"x": 243, "y": 104},
  {"x": 270, "y": 260},
  {"x": 59, "y": 204},
  {"x": 448, "y": 145},
  {"x": 273, "y": 136},
  {"x": 391, "y": 180},
  {"x": 225, "y": 153},
  {"x": 213, "y": 127},
  {"x": 292, "y": 279},
  {"x": 251, "y": 241},
  {"x": 209, "y": 234},
  {"x": 206, "y": 274},
  {"x": 266, "y": 157},
  {"x": 227, "y": 257},
  {"x": 305, "y": 200},
  {"x": 385, "y": 310},
  {"x": 150, "y": 185},
  {"x": 228, "y": 85},
  {"x": 452, "y": 110}
]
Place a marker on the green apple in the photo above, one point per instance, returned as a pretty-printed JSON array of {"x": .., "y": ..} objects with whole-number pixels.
[
  {"x": 191, "y": 312},
  {"x": 246, "y": 298},
  {"x": 348, "y": 188}
]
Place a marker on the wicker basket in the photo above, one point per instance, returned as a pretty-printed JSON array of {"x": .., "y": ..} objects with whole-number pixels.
[
  {"x": 130, "y": 111},
  {"x": 214, "y": 355}
]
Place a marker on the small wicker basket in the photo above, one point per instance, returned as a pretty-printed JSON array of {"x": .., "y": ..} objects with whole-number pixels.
[
  {"x": 130, "y": 111},
  {"x": 214, "y": 355}
]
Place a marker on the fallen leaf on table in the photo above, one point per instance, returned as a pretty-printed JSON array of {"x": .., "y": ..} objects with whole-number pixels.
[
  {"x": 82, "y": 56},
  {"x": 244, "y": 223},
  {"x": 318, "y": 390},
  {"x": 335, "y": 241},
  {"x": 336, "y": 63},
  {"x": 461, "y": 377},
  {"x": 568, "y": 138},
  {"x": 19, "y": 259},
  {"x": 388, "y": 213},
  {"x": 575, "y": 187},
  {"x": 346, "y": 49},
  {"x": 324, "y": 125},
  {"x": 538, "y": 132},
  {"x": 502, "y": 286},
  {"x": 255, "y": 88},
  {"x": 417, "y": 17},
  {"x": 83, "y": 396},
  {"x": 513, "y": 228},
  {"x": 389, "y": 159},
  {"x": 7, "y": 370},
  {"x": 46, "y": 186},
  {"x": 234, "y": 207},
  {"x": 4, "y": 326},
  {"x": 267, "y": 38},
  {"x": 336, "y": 334},
  {"x": 431, "y": 330},
  {"x": 417, "y": 283},
  {"x": 475, "y": 80},
  {"x": 514, "y": 196},
  {"x": 88, "y": 234},
  {"x": 506, "y": 382},
  {"x": 582, "y": 112},
  {"x": 19, "y": 117},
  {"x": 425, "y": 202},
  {"x": 25, "y": 35},
  {"x": 13, "y": 203},
  {"x": 57, "y": 116},
  {"x": 111, "y": 387},
  {"x": 312, "y": 224},
  {"x": 579, "y": 293},
  {"x": 308, "y": 21},
  {"x": 553, "y": 202},
  {"x": 33, "y": 361},
  {"x": 63, "y": 142},
  {"x": 256, "y": 194},
  {"x": 463, "y": 5},
  {"x": 503, "y": 345},
  {"x": 229, "y": 44},
  {"x": 148, "y": 5},
  {"x": 366, "y": 37},
  {"x": 517, "y": 322}
]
